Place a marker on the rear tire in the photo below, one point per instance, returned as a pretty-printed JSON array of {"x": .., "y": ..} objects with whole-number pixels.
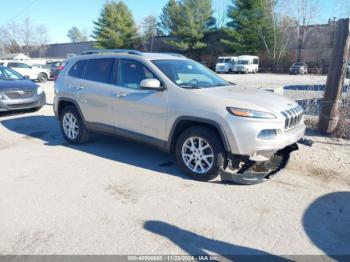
[
  {"x": 72, "y": 126},
  {"x": 200, "y": 153},
  {"x": 42, "y": 77}
]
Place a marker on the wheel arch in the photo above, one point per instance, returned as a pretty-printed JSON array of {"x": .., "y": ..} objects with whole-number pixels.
[
  {"x": 64, "y": 102},
  {"x": 185, "y": 122}
]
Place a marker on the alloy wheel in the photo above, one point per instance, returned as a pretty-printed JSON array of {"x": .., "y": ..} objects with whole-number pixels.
[
  {"x": 70, "y": 126},
  {"x": 197, "y": 155}
]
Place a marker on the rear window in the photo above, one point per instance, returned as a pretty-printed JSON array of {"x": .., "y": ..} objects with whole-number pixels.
[
  {"x": 99, "y": 70},
  {"x": 77, "y": 69}
]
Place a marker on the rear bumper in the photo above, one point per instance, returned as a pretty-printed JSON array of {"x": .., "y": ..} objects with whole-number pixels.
[
  {"x": 219, "y": 70},
  {"x": 20, "y": 104},
  {"x": 241, "y": 70}
]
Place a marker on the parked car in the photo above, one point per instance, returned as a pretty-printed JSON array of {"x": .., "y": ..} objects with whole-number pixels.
[
  {"x": 247, "y": 64},
  {"x": 40, "y": 66},
  {"x": 17, "y": 92},
  {"x": 179, "y": 106},
  {"x": 225, "y": 64},
  {"x": 56, "y": 68},
  {"x": 33, "y": 73},
  {"x": 298, "y": 68}
]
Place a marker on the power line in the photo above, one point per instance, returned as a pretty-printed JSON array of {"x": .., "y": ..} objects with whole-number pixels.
[{"x": 23, "y": 10}]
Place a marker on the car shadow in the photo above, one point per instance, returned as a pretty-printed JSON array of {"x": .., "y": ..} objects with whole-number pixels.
[
  {"x": 47, "y": 129},
  {"x": 197, "y": 245},
  {"x": 327, "y": 223},
  {"x": 16, "y": 112}
]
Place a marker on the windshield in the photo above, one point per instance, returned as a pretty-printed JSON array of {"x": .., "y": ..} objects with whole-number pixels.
[
  {"x": 243, "y": 62},
  {"x": 9, "y": 74},
  {"x": 224, "y": 60},
  {"x": 189, "y": 74},
  {"x": 298, "y": 64}
]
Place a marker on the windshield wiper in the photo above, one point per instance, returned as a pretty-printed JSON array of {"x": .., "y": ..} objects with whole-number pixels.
[{"x": 191, "y": 87}]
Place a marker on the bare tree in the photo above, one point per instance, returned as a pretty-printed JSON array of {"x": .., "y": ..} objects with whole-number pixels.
[
  {"x": 10, "y": 36},
  {"x": 221, "y": 13},
  {"x": 85, "y": 35},
  {"x": 42, "y": 39},
  {"x": 22, "y": 37},
  {"x": 278, "y": 35},
  {"x": 149, "y": 27},
  {"x": 27, "y": 31},
  {"x": 304, "y": 12}
]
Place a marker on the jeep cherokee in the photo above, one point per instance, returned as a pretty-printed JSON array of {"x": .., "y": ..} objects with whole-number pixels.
[{"x": 179, "y": 106}]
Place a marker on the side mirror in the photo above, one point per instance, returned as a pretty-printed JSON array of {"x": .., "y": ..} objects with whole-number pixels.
[
  {"x": 152, "y": 84},
  {"x": 26, "y": 77}
]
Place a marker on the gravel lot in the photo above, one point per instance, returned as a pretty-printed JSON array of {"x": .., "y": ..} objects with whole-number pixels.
[{"x": 118, "y": 197}]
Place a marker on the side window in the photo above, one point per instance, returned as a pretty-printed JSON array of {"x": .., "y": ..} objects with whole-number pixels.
[
  {"x": 11, "y": 64},
  {"x": 131, "y": 73},
  {"x": 99, "y": 70},
  {"x": 77, "y": 69},
  {"x": 21, "y": 65},
  {"x": 256, "y": 61}
]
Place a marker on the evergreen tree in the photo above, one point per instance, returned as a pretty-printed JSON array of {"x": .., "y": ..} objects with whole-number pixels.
[
  {"x": 250, "y": 26},
  {"x": 188, "y": 20},
  {"x": 115, "y": 27}
]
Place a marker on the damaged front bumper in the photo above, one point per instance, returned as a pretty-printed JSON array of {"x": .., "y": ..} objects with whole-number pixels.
[{"x": 243, "y": 170}]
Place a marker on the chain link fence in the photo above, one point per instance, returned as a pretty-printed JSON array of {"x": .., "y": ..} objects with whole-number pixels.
[{"x": 310, "y": 97}]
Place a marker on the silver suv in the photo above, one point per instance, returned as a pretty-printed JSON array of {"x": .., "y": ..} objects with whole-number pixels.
[{"x": 179, "y": 106}]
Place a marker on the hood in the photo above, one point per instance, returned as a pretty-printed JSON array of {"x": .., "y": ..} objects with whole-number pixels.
[
  {"x": 17, "y": 84},
  {"x": 248, "y": 98}
]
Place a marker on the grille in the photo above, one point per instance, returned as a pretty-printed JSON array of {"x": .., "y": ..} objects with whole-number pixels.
[
  {"x": 293, "y": 117},
  {"x": 19, "y": 106},
  {"x": 19, "y": 94}
]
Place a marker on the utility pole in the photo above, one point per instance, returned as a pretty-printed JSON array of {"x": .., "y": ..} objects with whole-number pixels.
[{"x": 335, "y": 81}]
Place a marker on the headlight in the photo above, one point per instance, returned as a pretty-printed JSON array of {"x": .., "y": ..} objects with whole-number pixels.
[
  {"x": 39, "y": 90},
  {"x": 250, "y": 113}
]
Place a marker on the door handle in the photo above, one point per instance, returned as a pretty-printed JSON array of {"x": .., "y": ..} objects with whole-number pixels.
[
  {"x": 78, "y": 88},
  {"x": 120, "y": 95}
]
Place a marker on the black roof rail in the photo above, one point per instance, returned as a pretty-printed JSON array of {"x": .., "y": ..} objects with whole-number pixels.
[{"x": 111, "y": 51}]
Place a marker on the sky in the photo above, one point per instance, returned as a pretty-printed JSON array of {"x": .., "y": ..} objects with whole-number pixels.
[{"x": 59, "y": 16}]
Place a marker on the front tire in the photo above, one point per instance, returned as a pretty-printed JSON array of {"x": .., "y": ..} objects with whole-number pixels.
[
  {"x": 72, "y": 126},
  {"x": 200, "y": 153}
]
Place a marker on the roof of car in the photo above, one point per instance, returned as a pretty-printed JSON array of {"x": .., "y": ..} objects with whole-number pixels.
[{"x": 131, "y": 53}]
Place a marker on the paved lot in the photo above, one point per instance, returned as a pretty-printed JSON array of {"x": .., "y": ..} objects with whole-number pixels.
[
  {"x": 275, "y": 80},
  {"x": 117, "y": 197}
]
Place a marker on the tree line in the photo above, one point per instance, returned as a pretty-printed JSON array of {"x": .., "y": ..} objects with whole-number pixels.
[{"x": 256, "y": 27}]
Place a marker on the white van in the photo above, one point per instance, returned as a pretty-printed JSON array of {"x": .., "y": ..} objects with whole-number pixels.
[
  {"x": 225, "y": 64},
  {"x": 247, "y": 64}
]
